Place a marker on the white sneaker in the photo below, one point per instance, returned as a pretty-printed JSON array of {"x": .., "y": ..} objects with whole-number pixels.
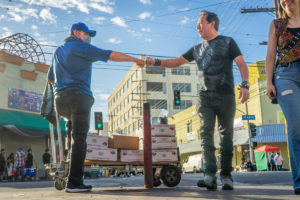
[
  {"x": 227, "y": 183},
  {"x": 209, "y": 181}
]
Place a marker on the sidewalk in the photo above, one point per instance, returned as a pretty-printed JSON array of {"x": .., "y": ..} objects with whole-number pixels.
[{"x": 240, "y": 192}]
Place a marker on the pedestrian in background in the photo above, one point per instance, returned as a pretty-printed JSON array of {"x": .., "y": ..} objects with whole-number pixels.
[
  {"x": 10, "y": 165},
  {"x": 272, "y": 162},
  {"x": 278, "y": 162},
  {"x": 2, "y": 164},
  {"x": 46, "y": 157},
  {"x": 19, "y": 163},
  {"x": 214, "y": 58},
  {"x": 29, "y": 159},
  {"x": 71, "y": 74},
  {"x": 284, "y": 40}
]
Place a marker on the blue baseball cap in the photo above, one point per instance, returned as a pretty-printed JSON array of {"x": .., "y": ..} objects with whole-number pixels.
[
  {"x": 20, "y": 148},
  {"x": 82, "y": 27}
]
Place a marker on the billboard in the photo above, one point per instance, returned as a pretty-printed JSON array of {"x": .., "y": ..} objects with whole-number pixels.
[{"x": 24, "y": 100}]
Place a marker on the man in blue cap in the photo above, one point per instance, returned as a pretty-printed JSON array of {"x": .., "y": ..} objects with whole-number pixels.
[{"x": 71, "y": 74}]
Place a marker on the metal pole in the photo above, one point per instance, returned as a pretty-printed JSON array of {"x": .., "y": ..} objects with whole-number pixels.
[
  {"x": 60, "y": 142},
  {"x": 249, "y": 132},
  {"x": 148, "y": 177},
  {"x": 53, "y": 145},
  {"x": 276, "y": 9}
]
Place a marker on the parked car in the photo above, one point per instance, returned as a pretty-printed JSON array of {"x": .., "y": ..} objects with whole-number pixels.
[{"x": 193, "y": 163}]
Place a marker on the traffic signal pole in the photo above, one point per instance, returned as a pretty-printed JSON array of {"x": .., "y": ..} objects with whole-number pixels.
[{"x": 249, "y": 133}]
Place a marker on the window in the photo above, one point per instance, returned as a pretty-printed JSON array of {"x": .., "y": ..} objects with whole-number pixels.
[
  {"x": 124, "y": 88},
  {"x": 189, "y": 126},
  {"x": 155, "y": 70},
  {"x": 157, "y": 104},
  {"x": 183, "y": 87},
  {"x": 128, "y": 83},
  {"x": 184, "y": 104},
  {"x": 138, "y": 72},
  {"x": 164, "y": 88},
  {"x": 181, "y": 71},
  {"x": 154, "y": 86}
]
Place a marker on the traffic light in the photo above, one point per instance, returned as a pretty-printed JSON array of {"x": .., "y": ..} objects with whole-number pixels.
[
  {"x": 254, "y": 144},
  {"x": 177, "y": 100},
  {"x": 98, "y": 121},
  {"x": 253, "y": 130}
]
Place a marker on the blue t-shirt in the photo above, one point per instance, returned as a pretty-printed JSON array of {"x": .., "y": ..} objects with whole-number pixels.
[{"x": 72, "y": 65}]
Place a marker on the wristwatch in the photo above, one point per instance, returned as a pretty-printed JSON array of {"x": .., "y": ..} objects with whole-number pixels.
[{"x": 245, "y": 84}]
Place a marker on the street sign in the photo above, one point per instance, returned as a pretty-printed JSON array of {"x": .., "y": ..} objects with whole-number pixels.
[{"x": 248, "y": 117}]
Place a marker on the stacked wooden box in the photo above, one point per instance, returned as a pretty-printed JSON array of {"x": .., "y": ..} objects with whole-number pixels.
[{"x": 164, "y": 143}]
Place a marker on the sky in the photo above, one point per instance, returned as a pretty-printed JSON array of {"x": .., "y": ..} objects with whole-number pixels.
[{"x": 134, "y": 27}]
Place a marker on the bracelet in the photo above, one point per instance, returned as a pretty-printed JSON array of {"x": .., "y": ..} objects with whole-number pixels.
[{"x": 157, "y": 62}]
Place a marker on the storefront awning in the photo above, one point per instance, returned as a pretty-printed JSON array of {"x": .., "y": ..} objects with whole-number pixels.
[
  {"x": 31, "y": 124},
  {"x": 240, "y": 137}
]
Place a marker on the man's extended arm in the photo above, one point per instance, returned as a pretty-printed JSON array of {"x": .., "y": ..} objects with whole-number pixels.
[
  {"x": 119, "y": 57},
  {"x": 168, "y": 63}
]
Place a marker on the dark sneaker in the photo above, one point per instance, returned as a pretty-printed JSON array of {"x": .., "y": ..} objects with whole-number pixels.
[
  {"x": 297, "y": 190},
  {"x": 227, "y": 183},
  {"x": 78, "y": 188}
]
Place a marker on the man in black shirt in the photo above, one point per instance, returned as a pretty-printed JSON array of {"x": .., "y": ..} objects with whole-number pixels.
[
  {"x": 46, "y": 157},
  {"x": 214, "y": 58}
]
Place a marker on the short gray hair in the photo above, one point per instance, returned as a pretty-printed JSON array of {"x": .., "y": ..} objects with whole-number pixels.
[{"x": 210, "y": 16}]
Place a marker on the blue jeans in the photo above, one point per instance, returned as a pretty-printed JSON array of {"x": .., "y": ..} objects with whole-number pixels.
[
  {"x": 221, "y": 106},
  {"x": 22, "y": 173},
  {"x": 287, "y": 84}
]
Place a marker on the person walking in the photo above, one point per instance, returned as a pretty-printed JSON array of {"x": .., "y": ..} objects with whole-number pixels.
[
  {"x": 214, "y": 58},
  {"x": 284, "y": 84},
  {"x": 272, "y": 162},
  {"x": 2, "y": 164},
  {"x": 278, "y": 161},
  {"x": 71, "y": 77},
  {"x": 19, "y": 163}
]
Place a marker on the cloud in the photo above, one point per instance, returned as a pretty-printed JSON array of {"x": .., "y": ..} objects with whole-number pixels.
[
  {"x": 7, "y": 32},
  {"x": 119, "y": 22},
  {"x": 34, "y": 27},
  {"x": 114, "y": 41},
  {"x": 83, "y": 6},
  {"x": 148, "y": 40},
  {"x": 144, "y": 15},
  {"x": 185, "y": 20},
  {"x": 98, "y": 20},
  {"x": 135, "y": 33},
  {"x": 36, "y": 34},
  {"x": 17, "y": 18},
  {"x": 146, "y": 2},
  {"x": 102, "y": 96},
  {"x": 47, "y": 16},
  {"x": 2, "y": 17},
  {"x": 146, "y": 30},
  {"x": 105, "y": 9}
]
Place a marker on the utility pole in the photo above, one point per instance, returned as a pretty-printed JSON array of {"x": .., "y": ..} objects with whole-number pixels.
[
  {"x": 249, "y": 133},
  {"x": 243, "y": 10},
  {"x": 254, "y": 10}
]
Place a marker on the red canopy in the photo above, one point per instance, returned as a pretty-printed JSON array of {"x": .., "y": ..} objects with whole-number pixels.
[{"x": 267, "y": 148}]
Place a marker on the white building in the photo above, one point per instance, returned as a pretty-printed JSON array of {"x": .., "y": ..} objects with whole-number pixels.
[{"x": 154, "y": 85}]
